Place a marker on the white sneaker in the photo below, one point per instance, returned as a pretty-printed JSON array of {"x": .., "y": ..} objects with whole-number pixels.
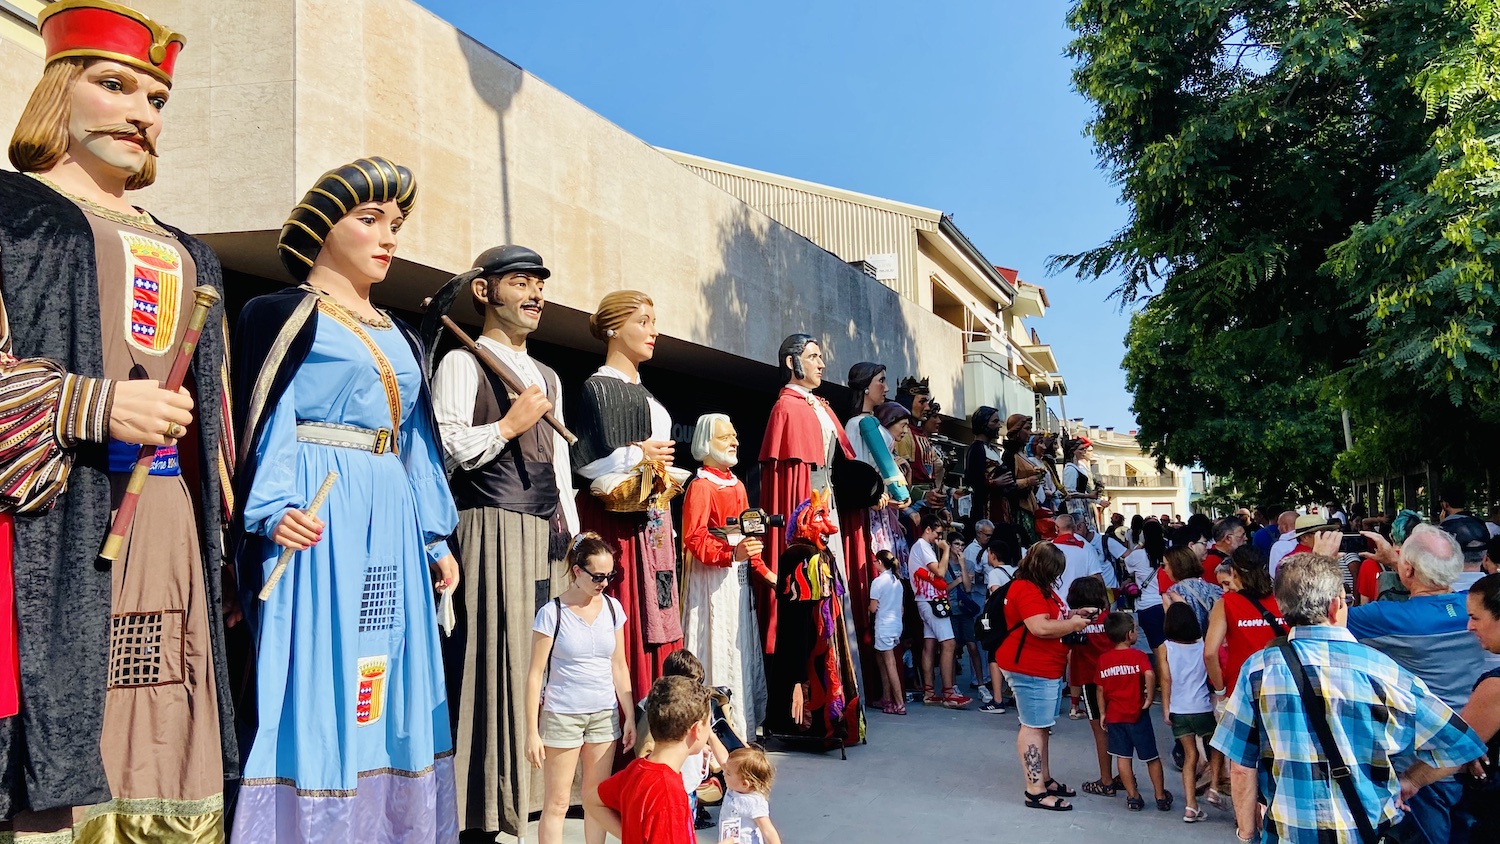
[{"x": 984, "y": 695}]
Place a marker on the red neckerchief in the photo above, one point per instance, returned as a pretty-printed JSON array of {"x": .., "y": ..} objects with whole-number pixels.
[
  {"x": 1070, "y": 539},
  {"x": 719, "y": 473}
]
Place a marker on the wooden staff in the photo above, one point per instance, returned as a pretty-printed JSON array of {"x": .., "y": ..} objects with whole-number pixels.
[
  {"x": 286, "y": 553},
  {"x": 204, "y": 298},
  {"x": 510, "y": 382}
]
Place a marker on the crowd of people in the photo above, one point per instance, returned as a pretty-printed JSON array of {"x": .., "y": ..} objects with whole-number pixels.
[{"x": 1368, "y": 651}]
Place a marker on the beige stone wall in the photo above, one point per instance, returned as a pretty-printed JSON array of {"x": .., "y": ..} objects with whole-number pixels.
[{"x": 271, "y": 93}]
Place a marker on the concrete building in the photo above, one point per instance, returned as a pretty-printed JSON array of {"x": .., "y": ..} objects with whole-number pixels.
[
  {"x": 922, "y": 255},
  {"x": 269, "y": 94}
]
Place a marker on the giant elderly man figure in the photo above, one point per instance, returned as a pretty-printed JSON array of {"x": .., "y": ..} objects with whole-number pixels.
[
  {"x": 116, "y": 720},
  {"x": 718, "y": 567}
]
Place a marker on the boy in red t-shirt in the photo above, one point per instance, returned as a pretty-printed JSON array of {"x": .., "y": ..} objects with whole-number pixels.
[
  {"x": 646, "y": 803},
  {"x": 1127, "y": 686}
]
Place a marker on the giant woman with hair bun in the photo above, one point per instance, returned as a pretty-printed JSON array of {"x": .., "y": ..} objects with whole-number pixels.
[
  {"x": 353, "y": 741},
  {"x": 622, "y": 429}
]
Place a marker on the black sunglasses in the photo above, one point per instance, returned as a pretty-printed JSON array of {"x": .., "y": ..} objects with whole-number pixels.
[{"x": 608, "y": 577}]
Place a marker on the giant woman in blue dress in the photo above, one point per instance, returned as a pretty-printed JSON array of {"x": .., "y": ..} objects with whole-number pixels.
[{"x": 351, "y": 739}]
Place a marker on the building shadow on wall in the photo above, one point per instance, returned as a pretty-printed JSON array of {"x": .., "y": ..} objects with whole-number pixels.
[
  {"x": 496, "y": 80},
  {"x": 772, "y": 282}
]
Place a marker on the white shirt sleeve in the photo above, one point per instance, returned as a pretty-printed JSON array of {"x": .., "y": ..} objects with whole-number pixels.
[
  {"x": 455, "y": 388},
  {"x": 562, "y": 467}
]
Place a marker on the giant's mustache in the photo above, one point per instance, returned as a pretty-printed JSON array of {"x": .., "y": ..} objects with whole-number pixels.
[{"x": 126, "y": 130}]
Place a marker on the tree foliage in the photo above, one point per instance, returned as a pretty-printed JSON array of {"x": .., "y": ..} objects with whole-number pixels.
[{"x": 1312, "y": 226}]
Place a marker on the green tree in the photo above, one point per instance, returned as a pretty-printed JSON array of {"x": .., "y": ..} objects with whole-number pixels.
[{"x": 1250, "y": 140}]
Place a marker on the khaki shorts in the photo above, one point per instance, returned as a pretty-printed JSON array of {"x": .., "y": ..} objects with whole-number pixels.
[{"x": 567, "y": 731}]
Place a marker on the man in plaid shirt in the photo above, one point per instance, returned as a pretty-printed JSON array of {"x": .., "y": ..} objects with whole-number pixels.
[{"x": 1376, "y": 709}]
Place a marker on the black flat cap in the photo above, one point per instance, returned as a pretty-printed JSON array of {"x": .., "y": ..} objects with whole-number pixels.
[{"x": 511, "y": 259}]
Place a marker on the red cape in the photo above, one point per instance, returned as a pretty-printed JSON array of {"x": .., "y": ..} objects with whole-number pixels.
[{"x": 792, "y": 445}]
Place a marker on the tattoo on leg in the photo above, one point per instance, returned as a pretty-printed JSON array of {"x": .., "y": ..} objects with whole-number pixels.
[{"x": 1033, "y": 758}]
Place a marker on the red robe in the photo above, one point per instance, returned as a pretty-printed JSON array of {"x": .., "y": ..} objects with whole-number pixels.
[{"x": 792, "y": 445}]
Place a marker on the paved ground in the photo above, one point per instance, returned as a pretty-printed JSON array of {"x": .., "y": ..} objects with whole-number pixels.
[{"x": 953, "y": 778}]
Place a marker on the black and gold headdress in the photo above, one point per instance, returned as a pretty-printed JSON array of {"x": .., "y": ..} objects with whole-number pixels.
[{"x": 337, "y": 193}]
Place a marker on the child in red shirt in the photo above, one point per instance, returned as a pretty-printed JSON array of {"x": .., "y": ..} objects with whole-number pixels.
[
  {"x": 646, "y": 803},
  {"x": 1127, "y": 686}
]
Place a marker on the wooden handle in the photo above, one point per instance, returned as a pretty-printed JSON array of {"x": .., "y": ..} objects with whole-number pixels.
[
  {"x": 204, "y": 298},
  {"x": 505, "y": 377},
  {"x": 286, "y": 553}
]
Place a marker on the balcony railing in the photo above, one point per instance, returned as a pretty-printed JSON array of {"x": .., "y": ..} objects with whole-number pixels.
[{"x": 1128, "y": 481}]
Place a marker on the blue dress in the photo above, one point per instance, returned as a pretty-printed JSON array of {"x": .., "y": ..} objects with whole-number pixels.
[{"x": 353, "y": 741}]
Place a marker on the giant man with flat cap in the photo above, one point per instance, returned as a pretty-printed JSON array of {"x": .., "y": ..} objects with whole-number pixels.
[{"x": 513, "y": 485}]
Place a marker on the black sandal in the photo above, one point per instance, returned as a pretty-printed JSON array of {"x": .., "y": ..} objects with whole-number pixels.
[
  {"x": 1164, "y": 804},
  {"x": 1034, "y": 801},
  {"x": 1135, "y": 804},
  {"x": 1099, "y": 788},
  {"x": 1057, "y": 789}
]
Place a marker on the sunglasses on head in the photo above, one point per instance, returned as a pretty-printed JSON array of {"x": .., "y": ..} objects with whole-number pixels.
[{"x": 606, "y": 577}]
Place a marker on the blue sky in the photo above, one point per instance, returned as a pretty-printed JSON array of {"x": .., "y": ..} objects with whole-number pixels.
[{"x": 965, "y": 106}]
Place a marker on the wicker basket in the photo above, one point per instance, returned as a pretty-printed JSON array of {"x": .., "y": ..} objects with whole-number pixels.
[{"x": 649, "y": 483}]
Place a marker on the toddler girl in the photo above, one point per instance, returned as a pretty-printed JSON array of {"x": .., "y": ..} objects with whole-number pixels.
[{"x": 745, "y": 816}]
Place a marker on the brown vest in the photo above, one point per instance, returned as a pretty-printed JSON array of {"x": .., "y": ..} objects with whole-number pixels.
[{"x": 520, "y": 478}]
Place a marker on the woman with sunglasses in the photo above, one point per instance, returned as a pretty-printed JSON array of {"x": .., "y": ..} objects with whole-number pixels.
[{"x": 578, "y": 651}]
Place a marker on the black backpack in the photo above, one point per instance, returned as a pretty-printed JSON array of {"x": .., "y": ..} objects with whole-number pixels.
[{"x": 989, "y": 628}]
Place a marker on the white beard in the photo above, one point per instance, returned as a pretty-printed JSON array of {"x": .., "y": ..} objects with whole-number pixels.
[{"x": 727, "y": 460}]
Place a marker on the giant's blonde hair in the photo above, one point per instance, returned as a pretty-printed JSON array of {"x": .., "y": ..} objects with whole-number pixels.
[
  {"x": 614, "y": 309},
  {"x": 41, "y": 136}
]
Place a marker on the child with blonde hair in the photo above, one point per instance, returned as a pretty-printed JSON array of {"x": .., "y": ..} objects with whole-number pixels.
[{"x": 745, "y": 816}]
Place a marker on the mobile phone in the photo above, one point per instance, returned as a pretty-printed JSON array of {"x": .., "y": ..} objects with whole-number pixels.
[{"x": 1353, "y": 543}]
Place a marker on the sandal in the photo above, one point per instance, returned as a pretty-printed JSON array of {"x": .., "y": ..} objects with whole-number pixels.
[
  {"x": 1215, "y": 799},
  {"x": 1193, "y": 814},
  {"x": 900, "y": 709},
  {"x": 1077, "y": 715},
  {"x": 1057, "y": 789},
  {"x": 1135, "y": 804},
  {"x": 888, "y": 708},
  {"x": 1034, "y": 801},
  {"x": 1164, "y": 803},
  {"x": 1099, "y": 788}
]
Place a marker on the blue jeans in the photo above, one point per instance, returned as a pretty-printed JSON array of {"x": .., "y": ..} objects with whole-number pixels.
[{"x": 1430, "y": 818}]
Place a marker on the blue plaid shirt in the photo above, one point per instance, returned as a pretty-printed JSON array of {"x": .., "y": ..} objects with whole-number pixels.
[{"x": 1377, "y": 711}]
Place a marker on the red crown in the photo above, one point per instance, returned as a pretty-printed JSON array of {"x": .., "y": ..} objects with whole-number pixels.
[{"x": 104, "y": 30}]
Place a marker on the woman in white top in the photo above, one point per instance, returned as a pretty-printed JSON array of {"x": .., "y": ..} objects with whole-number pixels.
[
  {"x": 578, "y": 648},
  {"x": 1142, "y": 565},
  {"x": 887, "y": 597}
]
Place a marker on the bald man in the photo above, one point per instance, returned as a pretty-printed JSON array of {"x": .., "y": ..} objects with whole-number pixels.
[{"x": 1286, "y": 524}]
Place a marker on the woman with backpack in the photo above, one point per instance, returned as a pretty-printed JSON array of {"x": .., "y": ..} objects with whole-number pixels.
[
  {"x": 578, "y": 651},
  {"x": 1033, "y": 657},
  {"x": 1144, "y": 565}
]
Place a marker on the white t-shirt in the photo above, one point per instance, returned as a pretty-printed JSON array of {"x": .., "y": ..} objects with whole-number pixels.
[
  {"x": 1106, "y": 568},
  {"x": 1139, "y": 566},
  {"x": 886, "y": 588},
  {"x": 581, "y": 679},
  {"x": 746, "y": 808},
  {"x": 997, "y": 576},
  {"x": 1081, "y": 563},
  {"x": 694, "y": 770},
  {"x": 1189, "y": 678},
  {"x": 921, "y": 555}
]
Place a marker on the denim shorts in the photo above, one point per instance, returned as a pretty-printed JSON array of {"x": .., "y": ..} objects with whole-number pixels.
[
  {"x": 1036, "y": 698},
  {"x": 1136, "y": 739}
]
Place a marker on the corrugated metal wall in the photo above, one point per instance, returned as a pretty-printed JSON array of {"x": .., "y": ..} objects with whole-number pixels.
[{"x": 844, "y": 228}]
